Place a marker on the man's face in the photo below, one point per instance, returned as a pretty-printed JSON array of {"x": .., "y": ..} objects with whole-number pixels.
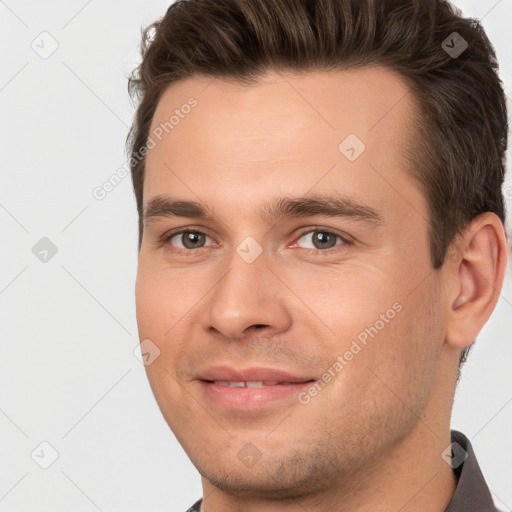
[{"x": 341, "y": 316}]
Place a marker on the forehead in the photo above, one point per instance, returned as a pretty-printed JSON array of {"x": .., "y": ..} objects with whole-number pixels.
[{"x": 319, "y": 130}]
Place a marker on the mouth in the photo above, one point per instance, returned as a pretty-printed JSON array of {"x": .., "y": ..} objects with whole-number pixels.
[
  {"x": 250, "y": 384},
  {"x": 251, "y": 389}
]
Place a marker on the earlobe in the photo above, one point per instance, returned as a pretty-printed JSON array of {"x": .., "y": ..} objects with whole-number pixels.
[{"x": 476, "y": 275}]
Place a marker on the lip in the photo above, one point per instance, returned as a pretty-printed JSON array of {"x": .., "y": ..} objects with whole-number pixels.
[
  {"x": 228, "y": 373},
  {"x": 288, "y": 387}
]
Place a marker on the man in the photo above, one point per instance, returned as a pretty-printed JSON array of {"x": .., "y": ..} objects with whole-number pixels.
[{"x": 321, "y": 241}]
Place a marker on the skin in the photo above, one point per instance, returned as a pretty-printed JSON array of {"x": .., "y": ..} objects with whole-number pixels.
[{"x": 372, "y": 438}]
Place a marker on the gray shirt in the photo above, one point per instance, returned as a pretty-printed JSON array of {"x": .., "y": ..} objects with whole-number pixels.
[{"x": 471, "y": 494}]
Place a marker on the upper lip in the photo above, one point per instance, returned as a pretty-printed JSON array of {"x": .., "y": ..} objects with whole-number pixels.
[{"x": 252, "y": 374}]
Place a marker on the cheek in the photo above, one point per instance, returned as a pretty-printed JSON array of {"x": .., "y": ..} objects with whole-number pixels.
[
  {"x": 344, "y": 301},
  {"x": 160, "y": 303},
  {"x": 156, "y": 319},
  {"x": 405, "y": 354},
  {"x": 146, "y": 301},
  {"x": 388, "y": 338},
  {"x": 164, "y": 313}
]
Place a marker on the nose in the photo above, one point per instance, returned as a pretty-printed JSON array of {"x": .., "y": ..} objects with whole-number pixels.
[{"x": 247, "y": 298}]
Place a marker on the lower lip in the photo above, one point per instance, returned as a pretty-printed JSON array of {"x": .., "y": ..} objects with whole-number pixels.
[{"x": 252, "y": 398}]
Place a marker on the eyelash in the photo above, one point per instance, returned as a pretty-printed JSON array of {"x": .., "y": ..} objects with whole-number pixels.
[{"x": 165, "y": 239}]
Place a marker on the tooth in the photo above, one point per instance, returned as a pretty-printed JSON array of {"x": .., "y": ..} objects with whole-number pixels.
[
  {"x": 237, "y": 384},
  {"x": 254, "y": 384},
  {"x": 248, "y": 384}
]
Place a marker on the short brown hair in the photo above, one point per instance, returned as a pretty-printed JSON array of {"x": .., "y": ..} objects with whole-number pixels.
[{"x": 461, "y": 127}]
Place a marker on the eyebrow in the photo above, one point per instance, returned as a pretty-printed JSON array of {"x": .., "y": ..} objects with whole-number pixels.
[{"x": 322, "y": 205}]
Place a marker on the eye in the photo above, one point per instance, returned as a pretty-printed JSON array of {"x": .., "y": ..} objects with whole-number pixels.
[
  {"x": 185, "y": 240},
  {"x": 322, "y": 240}
]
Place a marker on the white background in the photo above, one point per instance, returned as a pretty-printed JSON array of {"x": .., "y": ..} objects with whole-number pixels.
[{"x": 68, "y": 375}]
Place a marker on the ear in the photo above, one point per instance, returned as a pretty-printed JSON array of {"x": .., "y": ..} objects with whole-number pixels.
[{"x": 476, "y": 265}]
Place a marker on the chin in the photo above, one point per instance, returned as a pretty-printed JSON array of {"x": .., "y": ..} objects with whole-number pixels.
[{"x": 290, "y": 478}]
